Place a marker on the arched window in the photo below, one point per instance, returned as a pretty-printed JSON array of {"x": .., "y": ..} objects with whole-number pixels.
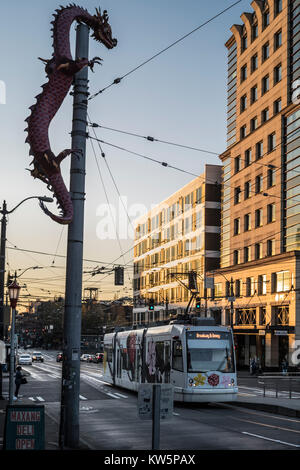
[
  {"x": 266, "y": 15},
  {"x": 254, "y": 27},
  {"x": 244, "y": 39}
]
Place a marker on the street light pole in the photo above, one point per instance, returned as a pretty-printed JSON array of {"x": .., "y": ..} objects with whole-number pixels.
[
  {"x": 4, "y": 213},
  {"x": 14, "y": 290},
  {"x": 69, "y": 414},
  {"x": 2, "y": 275}
]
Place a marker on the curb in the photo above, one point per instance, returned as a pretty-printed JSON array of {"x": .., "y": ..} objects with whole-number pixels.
[{"x": 269, "y": 408}]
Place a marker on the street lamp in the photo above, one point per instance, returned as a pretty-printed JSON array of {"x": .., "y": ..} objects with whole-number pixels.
[
  {"x": 13, "y": 290},
  {"x": 4, "y": 213}
]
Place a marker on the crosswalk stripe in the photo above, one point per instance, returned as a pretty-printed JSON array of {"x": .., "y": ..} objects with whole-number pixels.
[
  {"x": 120, "y": 395},
  {"x": 40, "y": 398},
  {"x": 111, "y": 395},
  {"x": 31, "y": 398},
  {"x": 82, "y": 398}
]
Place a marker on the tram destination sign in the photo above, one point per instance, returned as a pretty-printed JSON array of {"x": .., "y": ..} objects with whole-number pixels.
[
  {"x": 207, "y": 335},
  {"x": 24, "y": 427}
]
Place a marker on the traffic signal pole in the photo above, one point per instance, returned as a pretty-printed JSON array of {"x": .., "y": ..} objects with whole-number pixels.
[{"x": 69, "y": 417}]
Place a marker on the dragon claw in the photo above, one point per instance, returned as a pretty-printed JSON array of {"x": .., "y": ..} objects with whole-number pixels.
[{"x": 95, "y": 60}]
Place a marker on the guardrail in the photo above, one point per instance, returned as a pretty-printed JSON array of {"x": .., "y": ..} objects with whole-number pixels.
[{"x": 286, "y": 384}]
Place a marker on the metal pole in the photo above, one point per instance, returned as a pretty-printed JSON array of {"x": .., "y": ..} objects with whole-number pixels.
[
  {"x": 12, "y": 356},
  {"x": 2, "y": 277},
  {"x": 156, "y": 417},
  {"x": 69, "y": 426}
]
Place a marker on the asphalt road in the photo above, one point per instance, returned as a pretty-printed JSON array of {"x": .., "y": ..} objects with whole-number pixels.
[{"x": 109, "y": 420}]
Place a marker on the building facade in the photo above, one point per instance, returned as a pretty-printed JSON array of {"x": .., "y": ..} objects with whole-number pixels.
[
  {"x": 179, "y": 236},
  {"x": 257, "y": 286}
]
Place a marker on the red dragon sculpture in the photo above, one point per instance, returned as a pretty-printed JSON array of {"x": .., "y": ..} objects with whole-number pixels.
[{"x": 60, "y": 70}]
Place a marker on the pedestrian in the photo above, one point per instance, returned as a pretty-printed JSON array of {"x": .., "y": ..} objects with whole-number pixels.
[{"x": 18, "y": 381}]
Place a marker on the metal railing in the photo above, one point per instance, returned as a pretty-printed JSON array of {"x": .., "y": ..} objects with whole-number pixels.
[{"x": 280, "y": 385}]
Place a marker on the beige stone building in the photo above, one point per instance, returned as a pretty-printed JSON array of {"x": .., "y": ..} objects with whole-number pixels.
[
  {"x": 257, "y": 286},
  {"x": 180, "y": 235}
]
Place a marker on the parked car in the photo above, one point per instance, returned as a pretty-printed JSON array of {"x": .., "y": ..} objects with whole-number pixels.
[
  {"x": 59, "y": 357},
  {"x": 98, "y": 357},
  {"x": 86, "y": 358},
  {"x": 25, "y": 359},
  {"x": 37, "y": 356}
]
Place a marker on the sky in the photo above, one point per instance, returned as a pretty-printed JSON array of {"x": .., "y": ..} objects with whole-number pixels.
[{"x": 179, "y": 97}]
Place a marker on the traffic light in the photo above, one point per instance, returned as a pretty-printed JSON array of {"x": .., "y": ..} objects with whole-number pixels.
[
  {"x": 119, "y": 276},
  {"x": 151, "y": 304},
  {"x": 198, "y": 304},
  {"x": 192, "y": 280}
]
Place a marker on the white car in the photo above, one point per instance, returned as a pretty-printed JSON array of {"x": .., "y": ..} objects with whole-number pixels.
[{"x": 25, "y": 359}]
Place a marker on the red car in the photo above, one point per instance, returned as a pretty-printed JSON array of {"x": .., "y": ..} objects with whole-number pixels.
[{"x": 98, "y": 357}]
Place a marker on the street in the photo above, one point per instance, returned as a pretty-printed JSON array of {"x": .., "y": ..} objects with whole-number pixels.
[{"x": 108, "y": 415}]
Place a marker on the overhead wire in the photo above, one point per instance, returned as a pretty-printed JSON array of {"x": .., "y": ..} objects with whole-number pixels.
[{"x": 119, "y": 79}]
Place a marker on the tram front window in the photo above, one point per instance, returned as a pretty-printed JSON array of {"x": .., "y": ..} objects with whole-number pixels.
[{"x": 205, "y": 360}]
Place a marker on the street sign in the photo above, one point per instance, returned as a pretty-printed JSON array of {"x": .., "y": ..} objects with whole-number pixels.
[
  {"x": 281, "y": 333},
  {"x": 145, "y": 401},
  {"x": 24, "y": 427}
]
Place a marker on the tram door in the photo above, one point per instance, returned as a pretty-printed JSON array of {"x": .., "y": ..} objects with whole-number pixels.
[{"x": 177, "y": 371}]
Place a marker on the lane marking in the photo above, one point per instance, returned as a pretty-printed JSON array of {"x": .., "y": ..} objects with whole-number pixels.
[
  {"x": 82, "y": 398},
  {"x": 268, "y": 439},
  {"x": 264, "y": 424},
  {"x": 261, "y": 414}
]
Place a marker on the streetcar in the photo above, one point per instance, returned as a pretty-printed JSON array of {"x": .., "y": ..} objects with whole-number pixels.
[{"x": 199, "y": 361}]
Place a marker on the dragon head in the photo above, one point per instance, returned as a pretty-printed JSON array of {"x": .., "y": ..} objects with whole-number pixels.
[{"x": 102, "y": 30}]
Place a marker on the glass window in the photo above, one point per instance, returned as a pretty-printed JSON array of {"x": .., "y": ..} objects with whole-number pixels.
[
  {"x": 243, "y": 131},
  {"x": 265, "y": 51},
  {"x": 277, "y": 106},
  {"x": 266, "y": 18},
  {"x": 277, "y": 7},
  {"x": 271, "y": 142},
  {"x": 253, "y": 123},
  {"x": 265, "y": 84},
  {"x": 259, "y": 150},
  {"x": 258, "y": 218},
  {"x": 248, "y": 154},
  {"x": 244, "y": 42},
  {"x": 283, "y": 281},
  {"x": 277, "y": 74},
  {"x": 247, "y": 190},
  {"x": 237, "y": 164},
  {"x": 270, "y": 247},
  {"x": 243, "y": 73},
  {"x": 247, "y": 222},
  {"x": 203, "y": 359},
  {"x": 254, "y": 63},
  {"x": 247, "y": 254},
  {"x": 258, "y": 183},
  {"x": 271, "y": 177},
  {"x": 243, "y": 103},
  {"x": 265, "y": 115},
  {"x": 236, "y": 226},
  {"x": 253, "y": 94},
  {"x": 177, "y": 356},
  {"x": 277, "y": 40},
  {"x": 271, "y": 213}
]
